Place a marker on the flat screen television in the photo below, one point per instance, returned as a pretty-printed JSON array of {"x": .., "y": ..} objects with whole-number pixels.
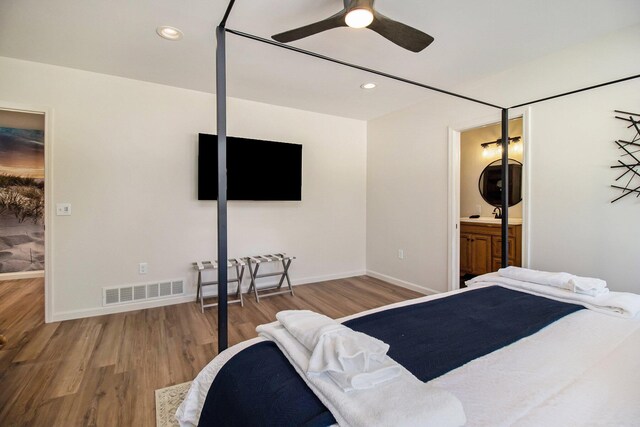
[{"x": 256, "y": 170}]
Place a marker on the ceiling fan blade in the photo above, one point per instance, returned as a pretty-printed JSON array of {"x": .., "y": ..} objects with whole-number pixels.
[
  {"x": 334, "y": 21},
  {"x": 399, "y": 33}
]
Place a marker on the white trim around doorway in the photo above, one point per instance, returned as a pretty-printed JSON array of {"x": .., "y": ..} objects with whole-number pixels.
[
  {"x": 48, "y": 201},
  {"x": 453, "y": 221}
]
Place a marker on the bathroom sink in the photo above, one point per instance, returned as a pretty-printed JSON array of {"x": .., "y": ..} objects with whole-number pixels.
[{"x": 491, "y": 220}]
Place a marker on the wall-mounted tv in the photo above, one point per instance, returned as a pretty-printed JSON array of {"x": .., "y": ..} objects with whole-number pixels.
[{"x": 256, "y": 170}]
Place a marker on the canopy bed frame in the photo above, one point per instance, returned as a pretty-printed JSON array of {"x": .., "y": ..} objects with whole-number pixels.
[{"x": 221, "y": 113}]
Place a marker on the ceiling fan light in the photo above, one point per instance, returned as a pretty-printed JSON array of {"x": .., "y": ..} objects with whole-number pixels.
[{"x": 359, "y": 18}]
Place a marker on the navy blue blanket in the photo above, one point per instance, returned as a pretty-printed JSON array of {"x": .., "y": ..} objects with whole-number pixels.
[{"x": 259, "y": 387}]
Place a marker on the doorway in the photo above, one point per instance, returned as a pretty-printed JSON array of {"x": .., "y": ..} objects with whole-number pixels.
[
  {"x": 24, "y": 190},
  {"x": 475, "y": 191}
]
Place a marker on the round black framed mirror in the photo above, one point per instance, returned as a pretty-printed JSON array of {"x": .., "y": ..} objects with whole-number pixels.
[{"x": 490, "y": 183}]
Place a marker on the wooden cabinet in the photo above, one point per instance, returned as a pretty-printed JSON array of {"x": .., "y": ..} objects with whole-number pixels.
[
  {"x": 465, "y": 253},
  {"x": 475, "y": 249},
  {"x": 481, "y": 247}
]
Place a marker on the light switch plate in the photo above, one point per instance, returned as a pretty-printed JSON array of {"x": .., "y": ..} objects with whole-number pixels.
[
  {"x": 63, "y": 209},
  {"x": 143, "y": 268}
]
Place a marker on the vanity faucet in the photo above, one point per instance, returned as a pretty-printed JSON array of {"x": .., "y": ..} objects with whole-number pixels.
[{"x": 497, "y": 212}]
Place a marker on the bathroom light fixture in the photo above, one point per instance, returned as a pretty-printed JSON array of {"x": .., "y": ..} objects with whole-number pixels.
[
  {"x": 488, "y": 150},
  {"x": 169, "y": 33},
  {"x": 359, "y": 18},
  {"x": 498, "y": 141},
  {"x": 368, "y": 85}
]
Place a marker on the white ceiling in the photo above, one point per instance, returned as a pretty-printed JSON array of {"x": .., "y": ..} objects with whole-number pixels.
[{"x": 473, "y": 38}]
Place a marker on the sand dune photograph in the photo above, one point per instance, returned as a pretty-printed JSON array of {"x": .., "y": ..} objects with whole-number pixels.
[{"x": 21, "y": 191}]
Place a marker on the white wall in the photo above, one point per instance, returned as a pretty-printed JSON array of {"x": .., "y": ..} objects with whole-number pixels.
[
  {"x": 125, "y": 157},
  {"x": 574, "y": 227}
]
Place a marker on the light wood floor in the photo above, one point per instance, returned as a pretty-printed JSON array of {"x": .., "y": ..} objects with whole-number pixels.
[{"x": 102, "y": 371}]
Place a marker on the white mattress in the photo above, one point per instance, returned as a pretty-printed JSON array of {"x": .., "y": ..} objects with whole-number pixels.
[{"x": 582, "y": 370}]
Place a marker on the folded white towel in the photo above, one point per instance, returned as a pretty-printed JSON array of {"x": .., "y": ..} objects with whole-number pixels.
[
  {"x": 308, "y": 326},
  {"x": 582, "y": 285},
  {"x": 558, "y": 280},
  {"x": 624, "y": 303},
  {"x": 405, "y": 401},
  {"x": 621, "y": 304},
  {"x": 350, "y": 381},
  {"x": 352, "y": 359}
]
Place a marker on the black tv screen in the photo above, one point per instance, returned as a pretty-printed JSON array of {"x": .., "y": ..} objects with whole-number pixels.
[{"x": 256, "y": 170}]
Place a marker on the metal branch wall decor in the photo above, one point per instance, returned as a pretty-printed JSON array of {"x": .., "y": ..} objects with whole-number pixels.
[{"x": 629, "y": 181}]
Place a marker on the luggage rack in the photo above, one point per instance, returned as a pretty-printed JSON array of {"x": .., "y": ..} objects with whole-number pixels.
[
  {"x": 235, "y": 263},
  {"x": 284, "y": 274}
]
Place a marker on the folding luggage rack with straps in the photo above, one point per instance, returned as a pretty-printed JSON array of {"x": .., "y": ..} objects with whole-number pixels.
[
  {"x": 254, "y": 263},
  {"x": 234, "y": 263}
]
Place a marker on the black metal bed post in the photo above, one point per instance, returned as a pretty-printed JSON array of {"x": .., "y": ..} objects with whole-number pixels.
[
  {"x": 221, "y": 123},
  {"x": 505, "y": 187}
]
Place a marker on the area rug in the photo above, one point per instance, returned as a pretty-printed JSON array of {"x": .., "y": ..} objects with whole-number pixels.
[{"x": 167, "y": 401}]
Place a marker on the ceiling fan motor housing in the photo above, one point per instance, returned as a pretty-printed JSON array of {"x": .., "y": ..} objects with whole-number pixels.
[{"x": 350, "y": 5}]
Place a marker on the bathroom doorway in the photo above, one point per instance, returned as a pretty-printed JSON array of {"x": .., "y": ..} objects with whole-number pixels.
[{"x": 475, "y": 194}]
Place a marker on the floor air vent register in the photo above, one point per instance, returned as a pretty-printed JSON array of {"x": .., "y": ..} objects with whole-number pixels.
[{"x": 117, "y": 295}]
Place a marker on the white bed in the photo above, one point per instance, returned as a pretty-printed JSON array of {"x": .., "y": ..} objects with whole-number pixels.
[{"x": 582, "y": 370}]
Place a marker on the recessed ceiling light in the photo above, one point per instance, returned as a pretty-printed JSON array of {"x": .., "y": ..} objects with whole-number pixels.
[
  {"x": 169, "y": 33},
  {"x": 368, "y": 85}
]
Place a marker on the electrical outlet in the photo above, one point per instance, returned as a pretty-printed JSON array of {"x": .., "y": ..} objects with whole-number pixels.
[
  {"x": 401, "y": 253},
  {"x": 63, "y": 209},
  {"x": 143, "y": 268}
]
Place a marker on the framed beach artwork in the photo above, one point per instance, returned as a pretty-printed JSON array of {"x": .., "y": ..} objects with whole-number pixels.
[{"x": 21, "y": 191}]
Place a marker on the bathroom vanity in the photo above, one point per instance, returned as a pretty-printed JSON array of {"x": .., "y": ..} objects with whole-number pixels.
[{"x": 481, "y": 245}]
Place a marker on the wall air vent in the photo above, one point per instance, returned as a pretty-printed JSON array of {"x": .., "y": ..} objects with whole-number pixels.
[
  {"x": 111, "y": 296},
  {"x": 116, "y": 295},
  {"x": 139, "y": 292},
  {"x": 165, "y": 289},
  {"x": 152, "y": 290},
  {"x": 177, "y": 287},
  {"x": 126, "y": 294}
]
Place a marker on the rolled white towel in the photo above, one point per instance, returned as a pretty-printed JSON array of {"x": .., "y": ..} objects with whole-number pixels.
[
  {"x": 353, "y": 360},
  {"x": 588, "y": 285}
]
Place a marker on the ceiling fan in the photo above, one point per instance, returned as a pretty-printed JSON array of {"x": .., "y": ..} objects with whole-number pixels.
[{"x": 361, "y": 14}]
